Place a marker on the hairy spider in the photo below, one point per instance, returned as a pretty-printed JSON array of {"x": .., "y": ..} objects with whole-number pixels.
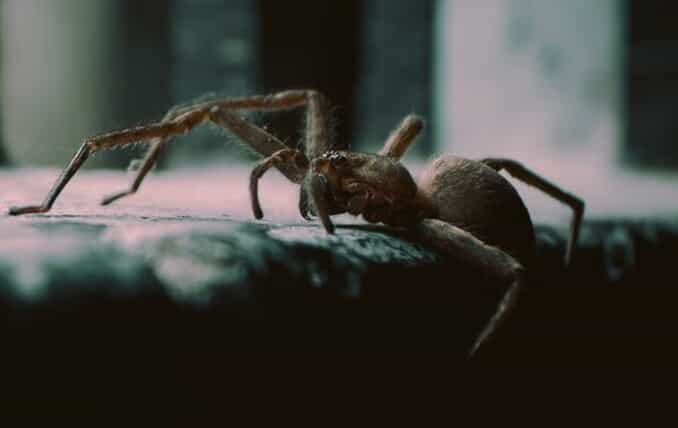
[{"x": 464, "y": 208}]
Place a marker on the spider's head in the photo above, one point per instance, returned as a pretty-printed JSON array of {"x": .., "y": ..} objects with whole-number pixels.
[
  {"x": 332, "y": 166},
  {"x": 331, "y": 159},
  {"x": 337, "y": 179},
  {"x": 336, "y": 164}
]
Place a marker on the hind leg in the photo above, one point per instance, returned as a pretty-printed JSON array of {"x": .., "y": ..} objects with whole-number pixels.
[
  {"x": 531, "y": 178},
  {"x": 461, "y": 245}
]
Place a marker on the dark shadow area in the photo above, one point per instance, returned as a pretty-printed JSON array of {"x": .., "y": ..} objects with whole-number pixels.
[
  {"x": 652, "y": 83},
  {"x": 612, "y": 308},
  {"x": 305, "y": 44}
]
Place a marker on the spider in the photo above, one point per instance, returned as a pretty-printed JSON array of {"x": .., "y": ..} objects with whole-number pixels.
[{"x": 464, "y": 208}]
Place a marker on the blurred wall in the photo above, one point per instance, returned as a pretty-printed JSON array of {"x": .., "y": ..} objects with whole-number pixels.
[
  {"x": 61, "y": 60},
  {"x": 76, "y": 68},
  {"x": 315, "y": 45}
]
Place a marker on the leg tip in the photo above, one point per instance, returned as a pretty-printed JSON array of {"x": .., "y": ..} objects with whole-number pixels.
[
  {"x": 329, "y": 228},
  {"x": 27, "y": 210},
  {"x": 258, "y": 213},
  {"x": 114, "y": 197}
]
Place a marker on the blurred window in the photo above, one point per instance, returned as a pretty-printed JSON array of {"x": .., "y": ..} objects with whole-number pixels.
[{"x": 543, "y": 81}]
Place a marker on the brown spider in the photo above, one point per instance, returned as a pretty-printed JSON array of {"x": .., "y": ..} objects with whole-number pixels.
[{"x": 464, "y": 208}]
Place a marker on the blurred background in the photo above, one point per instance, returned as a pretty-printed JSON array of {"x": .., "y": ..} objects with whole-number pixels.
[{"x": 581, "y": 91}]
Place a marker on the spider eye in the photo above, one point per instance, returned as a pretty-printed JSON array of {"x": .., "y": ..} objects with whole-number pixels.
[{"x": 338, "y": 159}]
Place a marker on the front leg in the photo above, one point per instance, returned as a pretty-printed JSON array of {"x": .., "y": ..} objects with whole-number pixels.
[
  {"x": 463, "y": 246},
  {"x": 318, "y": 190},
  {"x": 178, "y": 126},
  {"x": 146, "y": 165},
  {"x": 68, "y": 173},
  {"x": 291, "y": 161},
  {"x": 221, "y": 114},
  {"x": 304, "y": 205}
]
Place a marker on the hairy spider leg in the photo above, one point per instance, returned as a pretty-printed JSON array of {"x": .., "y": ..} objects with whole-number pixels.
[
  {"x": 402, "y": 137},
  {"x": 318, "y": 192},
  {"x": 78, "y": 159},
  {"x": 286, "y": 159},
  {"x": 520, "y": 172},
  {"x": 146, "y": 164},
  {"x": 179, "y": 125},
  {"x": 317, "y": 140},
  {"x": 463, "y": 246}
]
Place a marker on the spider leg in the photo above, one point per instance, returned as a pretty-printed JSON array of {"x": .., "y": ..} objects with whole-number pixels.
[
  {"x": 519, "y": 171},
  {"x": 304, "y": 205},
  {"x": 146, "y": 165},
  {"x": 284, "y": 160},
  {"x": 318, "y": 192},
  {"x": 160, "y": 130},
  {"x": 402, "y": 137},
  {"x": 462, "y": 245},
  {"x": 318, "y": 139},
  {"x": 78, "y": 159},
  {"x": 292, "y": 163},
  {"x": 257, "y": 138}
]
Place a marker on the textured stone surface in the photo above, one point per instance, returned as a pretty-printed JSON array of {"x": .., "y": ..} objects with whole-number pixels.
[
  {"x": 169, "y": 268},
  {"x": 171, "y": 254}
]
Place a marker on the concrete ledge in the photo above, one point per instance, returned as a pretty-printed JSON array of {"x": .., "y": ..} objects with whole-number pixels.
[{"x": 162, "y": 277}]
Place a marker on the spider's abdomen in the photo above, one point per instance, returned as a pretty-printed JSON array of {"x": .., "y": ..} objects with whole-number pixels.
[{"x": 476, "y": 198}]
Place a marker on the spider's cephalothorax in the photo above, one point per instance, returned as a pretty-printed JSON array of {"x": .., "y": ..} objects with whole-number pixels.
[
  {"x": 378, "y": 187},
  {"x": 464, "y": 208}
]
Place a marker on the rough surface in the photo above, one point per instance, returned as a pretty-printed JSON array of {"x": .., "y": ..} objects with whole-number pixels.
[{"x": 168, "y": 264}]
